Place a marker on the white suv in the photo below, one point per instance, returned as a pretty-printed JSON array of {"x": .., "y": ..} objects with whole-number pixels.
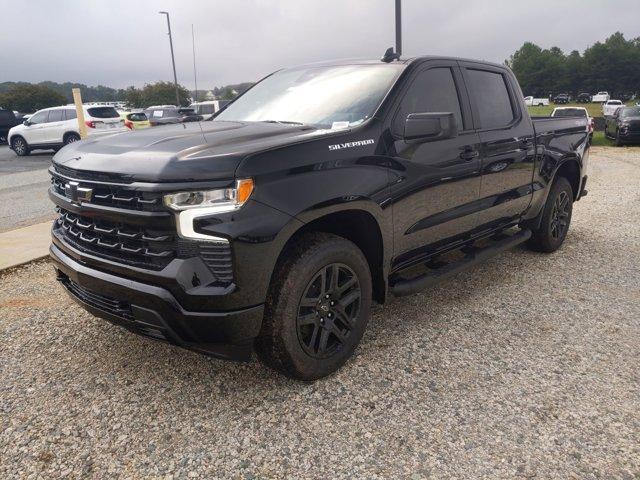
[{"x": 55, "y": 127}]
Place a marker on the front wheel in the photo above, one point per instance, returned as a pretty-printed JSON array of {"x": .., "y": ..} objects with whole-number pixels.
[
  {"x": 556, "y": 217},
  {"x": 317, "y": 308},
  {"x": 20, "y": 146}
]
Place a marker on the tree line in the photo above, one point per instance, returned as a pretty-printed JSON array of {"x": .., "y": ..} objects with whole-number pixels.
[
  {"x": 612, "y": 65},
  {"x": 27, "y": 97}
]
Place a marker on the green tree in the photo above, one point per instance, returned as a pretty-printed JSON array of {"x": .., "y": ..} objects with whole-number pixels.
[
  {"x": 163, "y": 93},
  {"x": 29, "y": 98}
]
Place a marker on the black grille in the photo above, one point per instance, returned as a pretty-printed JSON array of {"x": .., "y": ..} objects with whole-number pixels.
[
  {"x": 115, "y": 196},
  {"x": 217, "y": 256},
  {"x": 119, "y": 308},
  {"x": 119, "y": 242}
]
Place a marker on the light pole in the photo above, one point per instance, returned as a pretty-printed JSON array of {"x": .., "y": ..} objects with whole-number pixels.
[
  {"x": 398, "y": 28},
  {"x": 173, "y": 60}
]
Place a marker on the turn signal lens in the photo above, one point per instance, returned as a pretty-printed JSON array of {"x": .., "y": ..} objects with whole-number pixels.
[{"x": 244, "y": 189}]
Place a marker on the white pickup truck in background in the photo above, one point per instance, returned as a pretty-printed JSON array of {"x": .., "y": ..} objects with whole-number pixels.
[
  {"x": 610, "y": 106},
  {"x": 600, "y": 97},
  {"x": 532, "y": 101}
]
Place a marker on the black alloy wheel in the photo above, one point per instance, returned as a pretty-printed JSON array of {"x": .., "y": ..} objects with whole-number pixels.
[
  {"x": 560, "y": 215},
  {"x": 328, "y": 310}
]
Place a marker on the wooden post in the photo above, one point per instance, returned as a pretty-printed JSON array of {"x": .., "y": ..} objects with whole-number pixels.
[{"x": 77, "y": 100}]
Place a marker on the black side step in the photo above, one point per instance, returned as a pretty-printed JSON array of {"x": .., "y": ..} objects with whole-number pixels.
[{"x": 413, "y": 285}]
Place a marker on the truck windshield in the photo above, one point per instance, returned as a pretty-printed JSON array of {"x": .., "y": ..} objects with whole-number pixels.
[
  {"x": 325, "y": 96},
  {"x": 630, "y": 112}
]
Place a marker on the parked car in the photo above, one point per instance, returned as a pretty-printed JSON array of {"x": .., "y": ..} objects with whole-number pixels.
[
  {"x": 8, "y": 120},
  {"x": 169, "y": 115},
  {"x": 562, "y": 98},
  {"x": 600, "y": 97},
  {"x": 563, "y": 112},
  {"x": 610, "y": 106},
  {"x": 534, "y": 101},
  {"x": 135, "y": 120},
  {"x": 52, "y": 128},
  {"x": 208, "y": 108},
  {"x": 583, "y": 98},
  {"x": 624, "y": 125},
  {"x": 274, "y": 226}
]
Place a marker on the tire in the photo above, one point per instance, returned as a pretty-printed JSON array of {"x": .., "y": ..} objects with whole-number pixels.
[
  {"x": 618, "y": 141},
  {"x": 556, "y": 218},
  {"x": 312, "y": 323},
  {"x": 606, "y": 132},
  {"x": 20, "y": 146},
  {"x": 71, "y": 138}
]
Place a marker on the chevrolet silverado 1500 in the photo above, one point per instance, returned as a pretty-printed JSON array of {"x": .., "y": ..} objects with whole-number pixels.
[{"x": 273, "y": 226}]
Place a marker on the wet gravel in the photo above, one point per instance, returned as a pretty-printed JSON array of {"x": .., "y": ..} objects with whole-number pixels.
[{"x": 526, "y": 366}]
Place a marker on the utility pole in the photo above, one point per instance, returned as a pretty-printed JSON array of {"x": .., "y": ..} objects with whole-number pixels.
[
  {"x": 173, "y": 60},
  {"x": 398, "y": 28},
  {"x": 195, "y": 77}
]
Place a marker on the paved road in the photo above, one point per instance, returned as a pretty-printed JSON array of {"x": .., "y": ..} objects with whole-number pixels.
[
  {"x": 23, "y": 189},
  {"x": 525, "y": 367}
]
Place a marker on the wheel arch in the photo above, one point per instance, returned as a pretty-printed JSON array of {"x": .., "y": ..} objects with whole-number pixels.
[{"x": 357, "y": 225}]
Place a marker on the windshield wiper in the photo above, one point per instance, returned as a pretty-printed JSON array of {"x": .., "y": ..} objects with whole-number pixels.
[{"x": 282, "y": 121}]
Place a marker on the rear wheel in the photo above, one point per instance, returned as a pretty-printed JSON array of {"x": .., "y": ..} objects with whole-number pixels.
[
  {"x": 317, "y": 308},
  {"x": 556, "y": 217},
  {"x": 71, "y": 138},
  {"x": 20, "y": 146}
]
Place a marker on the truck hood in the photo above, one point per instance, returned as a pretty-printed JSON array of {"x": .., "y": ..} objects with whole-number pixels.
[{"x": 198, "y": 151}]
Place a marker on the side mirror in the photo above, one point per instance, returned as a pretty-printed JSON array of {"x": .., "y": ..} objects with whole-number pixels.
[
  {"x": 429, "y": 127},
  {"x": 27, "y": 123}
]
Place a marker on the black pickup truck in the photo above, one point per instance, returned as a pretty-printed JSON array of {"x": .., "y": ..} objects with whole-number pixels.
[
  {"x": 8, "y": 120},
  {"x": 273, "y": 227}
]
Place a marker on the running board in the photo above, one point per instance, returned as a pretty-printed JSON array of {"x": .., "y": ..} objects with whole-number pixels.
[{"x": 473, "y": 257}]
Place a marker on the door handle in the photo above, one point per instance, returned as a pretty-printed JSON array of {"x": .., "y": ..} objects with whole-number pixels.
[{"x": 469, "y": 154}]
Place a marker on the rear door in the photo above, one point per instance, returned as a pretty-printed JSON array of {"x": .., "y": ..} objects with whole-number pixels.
[
  {"x": 55, "y": 126},
  {"x": 507, "y": 144},
  {"x": 434, "y": 185}
]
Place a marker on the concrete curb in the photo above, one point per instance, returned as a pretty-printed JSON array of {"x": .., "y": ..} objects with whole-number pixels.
[{"x": 24, "y": 245}]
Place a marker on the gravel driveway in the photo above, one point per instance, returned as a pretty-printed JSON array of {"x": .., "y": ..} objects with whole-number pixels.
[{"x": 526, "y": 366}]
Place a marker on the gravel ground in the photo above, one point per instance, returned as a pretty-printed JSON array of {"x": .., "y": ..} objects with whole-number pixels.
[{"x": 526, "y": 366}]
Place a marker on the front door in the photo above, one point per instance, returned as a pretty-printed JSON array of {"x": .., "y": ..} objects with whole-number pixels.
[
  {"x": 35, "y": 133},
  {"x": 434, "y": 185}
]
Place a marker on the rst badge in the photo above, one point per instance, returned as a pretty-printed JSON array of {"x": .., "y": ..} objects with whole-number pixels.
[
  {"x": 358, "y": 143},
  {"x": 76, "y": 193}
]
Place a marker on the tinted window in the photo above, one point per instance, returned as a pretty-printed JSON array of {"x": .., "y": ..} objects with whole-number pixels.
[
  {"x": 490, "y": 93},
  {"x": 570, "y": 112},
  {"x": 55, "y": 116},
  {"x": 40, "y": 117},
  {"x": 433, "y": 90},
  {"x": 137, "y": 117},
  {"x": 630, "y": 112},
  {"x": 103, "y": 112},
  {"x": 206, "y": 109},
  {"x": 6, "y": 116},
  {"x": 70, "y": 114}
]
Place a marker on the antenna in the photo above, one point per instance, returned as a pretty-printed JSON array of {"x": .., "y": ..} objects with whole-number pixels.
[
  {"x": 195, "y": 77},
  {"x": 390, "y": 55},
  {"x": 398, "y": 28}
]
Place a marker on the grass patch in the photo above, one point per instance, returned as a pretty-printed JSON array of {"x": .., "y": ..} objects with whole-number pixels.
[
  {"x": 594, "y": 109},
  {"x": 599, "y": 140}
]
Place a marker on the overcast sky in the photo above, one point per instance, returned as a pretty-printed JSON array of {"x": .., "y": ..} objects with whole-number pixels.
[{"x": 123, "y": 42}]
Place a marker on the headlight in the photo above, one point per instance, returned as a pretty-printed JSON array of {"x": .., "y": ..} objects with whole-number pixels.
[
  {"x": 195, "y": 204},
  {"x": 224, "y": 199}
]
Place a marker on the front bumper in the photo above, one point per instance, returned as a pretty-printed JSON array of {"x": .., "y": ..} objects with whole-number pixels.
[{"x": 154, "y": 312}]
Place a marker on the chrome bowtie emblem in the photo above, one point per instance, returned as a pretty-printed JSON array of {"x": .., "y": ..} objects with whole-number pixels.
[{"x": 76, "y": 193}]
